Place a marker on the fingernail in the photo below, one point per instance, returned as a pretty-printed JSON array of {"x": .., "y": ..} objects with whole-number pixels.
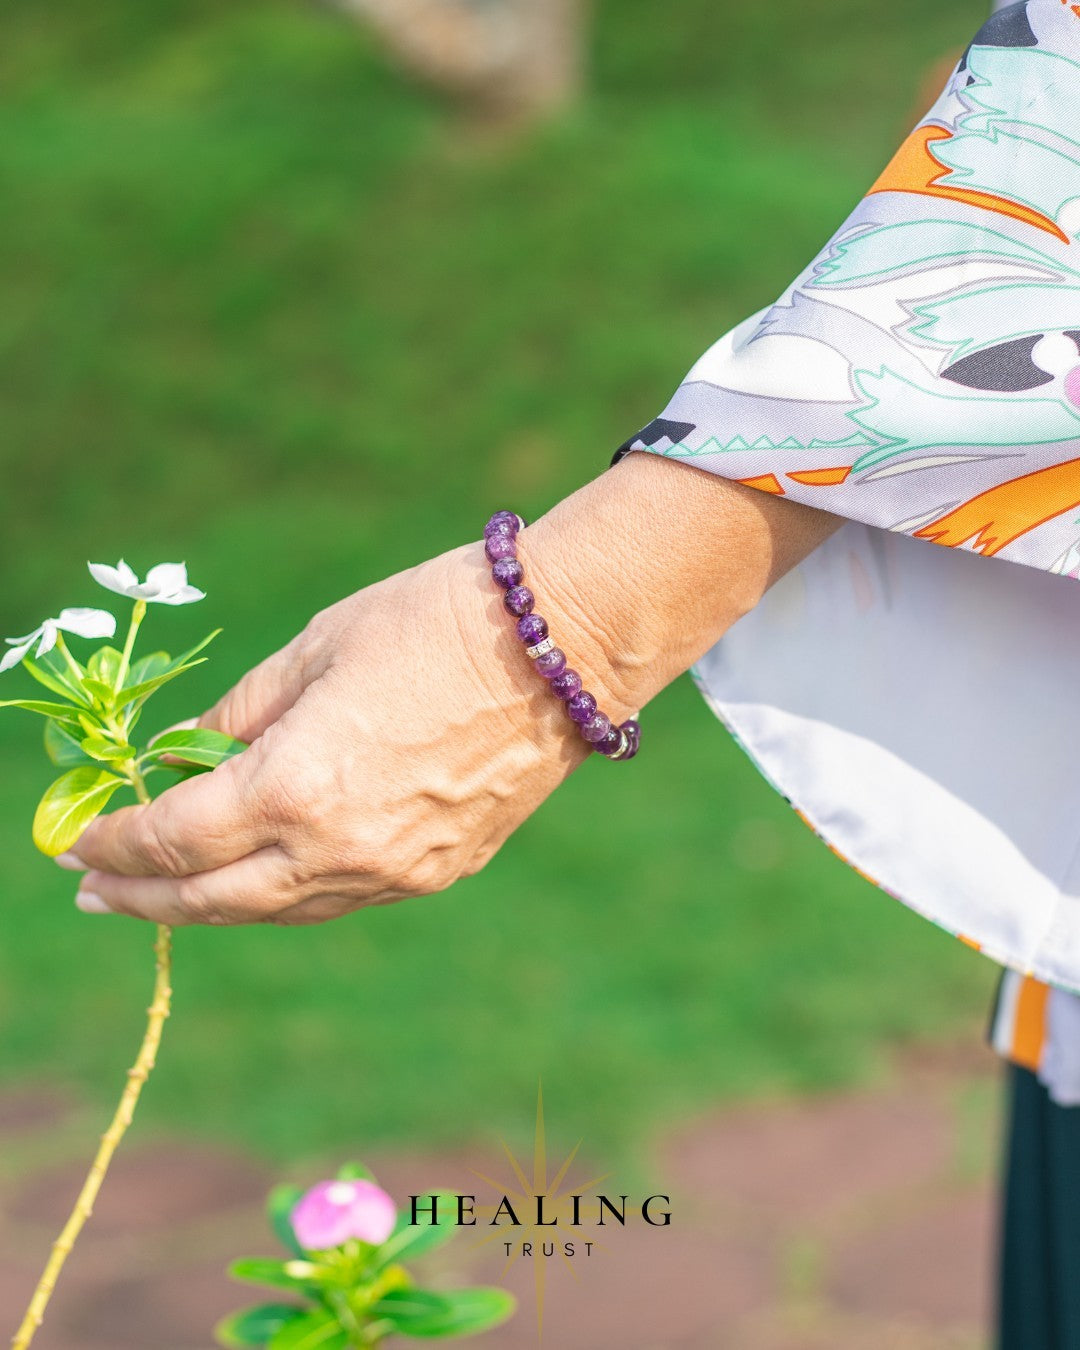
[
  {"x": 90, "y": 903},
  {"x": 72, "y": 862}
]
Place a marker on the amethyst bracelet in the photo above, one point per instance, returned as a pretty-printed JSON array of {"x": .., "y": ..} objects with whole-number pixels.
[{"x": 500, "y": 547}]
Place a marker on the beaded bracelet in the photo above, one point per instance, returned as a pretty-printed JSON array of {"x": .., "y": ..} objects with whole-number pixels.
[{"x": 500, "y": 547}]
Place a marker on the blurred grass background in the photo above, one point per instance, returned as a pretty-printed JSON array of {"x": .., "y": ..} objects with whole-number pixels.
[{"x": 270, "y": 308}]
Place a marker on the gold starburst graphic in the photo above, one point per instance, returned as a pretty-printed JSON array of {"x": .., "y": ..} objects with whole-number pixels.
[{"x": 538, "y": 1219}]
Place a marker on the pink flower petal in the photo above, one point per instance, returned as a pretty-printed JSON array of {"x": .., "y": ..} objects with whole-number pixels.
[{"x": 333, "y": 1212}]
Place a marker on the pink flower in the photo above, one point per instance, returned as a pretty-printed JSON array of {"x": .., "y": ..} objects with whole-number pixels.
[{"x": 332, "y": 1212}]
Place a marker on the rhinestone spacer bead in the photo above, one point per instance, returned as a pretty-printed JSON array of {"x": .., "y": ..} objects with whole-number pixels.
[
  {"x": 624, "y": 746},
  {"x": 500, "y": 547}
]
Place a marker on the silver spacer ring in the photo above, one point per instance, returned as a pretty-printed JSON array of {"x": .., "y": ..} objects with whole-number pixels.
[
  {"x": 624, "y": 746},
  {"x": 541, "y": 648}
]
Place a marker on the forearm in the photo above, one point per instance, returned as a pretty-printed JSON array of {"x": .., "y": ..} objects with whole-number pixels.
[
  {"x": 643, "y": 569},
  {"x": 403, "y": 736}
]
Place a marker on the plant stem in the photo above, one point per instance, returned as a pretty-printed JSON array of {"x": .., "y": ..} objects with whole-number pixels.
[
  {"x": 137, "y": 616},
  {"x": 137, "y": 1076},
  {"x": 76, "y": 669}
]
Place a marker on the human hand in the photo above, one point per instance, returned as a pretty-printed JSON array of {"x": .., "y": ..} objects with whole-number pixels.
[
  {"x": 402, "y": 736},
  {"x": 395, "y": 744}
]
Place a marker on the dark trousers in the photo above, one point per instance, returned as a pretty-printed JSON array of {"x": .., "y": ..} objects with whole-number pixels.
[{"x": 1039, "y": 1301}]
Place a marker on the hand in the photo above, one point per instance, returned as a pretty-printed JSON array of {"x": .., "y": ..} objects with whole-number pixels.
[
  {"x": 395, "y": 744},
  {"x": 402, "y": 737}
]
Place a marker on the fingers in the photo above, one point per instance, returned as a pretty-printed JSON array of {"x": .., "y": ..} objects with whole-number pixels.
[
  {"x": 199, "y": 824},
  {"x": 251, "y": 890},
  {"x": 264, "y": 694}
]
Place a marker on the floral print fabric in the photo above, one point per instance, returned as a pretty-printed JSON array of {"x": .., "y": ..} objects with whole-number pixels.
[{"x": 922, "y": 379}]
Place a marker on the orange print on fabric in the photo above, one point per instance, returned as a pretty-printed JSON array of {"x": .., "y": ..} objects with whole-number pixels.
[
  {"x": 1029, "y": 1031},
  {"x": 1003, "y": 513},
  {"x": 821, "y": 477},
  {"x": 847, "y": 861},
  {"x": 914, "y": 169},
  {"x": 764, "y": 482}
]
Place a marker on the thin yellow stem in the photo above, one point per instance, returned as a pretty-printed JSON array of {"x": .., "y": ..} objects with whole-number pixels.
[
  {"x": 137, "y": 1076},
  {"x": 73, "y": 665},
  {"x": 137, "y": 616}
]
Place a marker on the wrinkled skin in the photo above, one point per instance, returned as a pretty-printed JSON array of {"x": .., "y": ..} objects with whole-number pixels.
[{"x": 399, "y": 740}]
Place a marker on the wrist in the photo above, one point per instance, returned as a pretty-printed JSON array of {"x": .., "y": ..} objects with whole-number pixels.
[
  {"x": 647, "y": 566},
  {"x": 503, "y": 675},
  {"x": 606, "y": 640}
]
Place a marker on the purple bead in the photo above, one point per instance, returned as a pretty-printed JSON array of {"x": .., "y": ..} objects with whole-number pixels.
[
  {"x": 519, "y": 601},
  {"x": 611, "y": 742},
  {"x": 566, "y": 685},
  {"x": 633, "y": 735},
  {"x": 508, "y": 572},
  {"x": 582, "y": 706},
  {"x": 597, "y": 727},
  {"x": 502, "y": 522},
  {"x": 552, "y": 663},
  {"x": 499, "y": 546},
  {"x": 532, "y": 629}
]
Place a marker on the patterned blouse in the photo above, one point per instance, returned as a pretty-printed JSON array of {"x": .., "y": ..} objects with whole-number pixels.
[{"x": 910, "y": 693}]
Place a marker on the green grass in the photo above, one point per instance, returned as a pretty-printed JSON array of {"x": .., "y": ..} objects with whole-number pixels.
[{"x": 272, "y": 309}]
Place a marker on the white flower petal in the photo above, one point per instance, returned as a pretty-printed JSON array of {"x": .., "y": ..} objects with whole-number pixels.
[
  {"x": 186, "y": 595},
  {"x": 167, "y": 578},
  {"x": 127, "y": 573},
  {"x": 88, "y": 623},
  {"x": 16, "y": 654},
  {"x": 118, "y": 579},
  {"x": 48, "y": 634},
  {"x": 25, "y": 640}
]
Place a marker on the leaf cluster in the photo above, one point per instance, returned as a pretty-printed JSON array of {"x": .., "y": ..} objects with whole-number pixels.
[
  {"x": 358, "y": 1294},
  {"x": 89, "y": 733}
]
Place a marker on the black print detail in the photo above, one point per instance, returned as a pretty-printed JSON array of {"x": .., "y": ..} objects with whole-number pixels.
[
  {"x": 657, "y": 430},
  {"x": 1006, "y": 367},
  {"x": 1007, "y": 28}
]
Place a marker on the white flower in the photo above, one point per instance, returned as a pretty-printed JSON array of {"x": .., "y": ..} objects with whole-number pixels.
[
  {"x": 165, "y": 584},
  {"x": 88, "y": 623}
]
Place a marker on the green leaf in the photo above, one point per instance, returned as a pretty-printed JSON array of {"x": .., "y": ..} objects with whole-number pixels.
[
  {"x": 280, "y": 1204},
  {"x": 102, "y": 692},
  {"x": 150, "y": 674},
  {"x": 104, "y": 665},
  {"x": 255, "y": 1326},
  {"x": 314, "y": 1331},
  {"x": 352, "y": 1171},
  {"x": 182, "y": 771},
  {"x": 53, "y": 672},
  {"x": 62, "y": 747},
  {"x": 273, "y": 1274},
  {"x": 64, "y": 712},
  {"x": 132, "y": 693},
  {"x": 97, "y": 747},
  {"x": 194, "y": 651},
  {"x": 70, "y": 805},
  {"x": 409, "y": 1239},
  {"x": 148, "y": 666},
  {"x": 420, "y": 1312},
  {"x": 196, "y": 745}
]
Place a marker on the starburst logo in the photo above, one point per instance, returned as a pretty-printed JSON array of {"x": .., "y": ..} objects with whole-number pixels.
[{"x": 545, "y": 1217}]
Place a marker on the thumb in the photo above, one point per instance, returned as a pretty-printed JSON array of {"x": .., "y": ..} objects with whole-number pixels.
[{"x": 263, "y": 695}]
